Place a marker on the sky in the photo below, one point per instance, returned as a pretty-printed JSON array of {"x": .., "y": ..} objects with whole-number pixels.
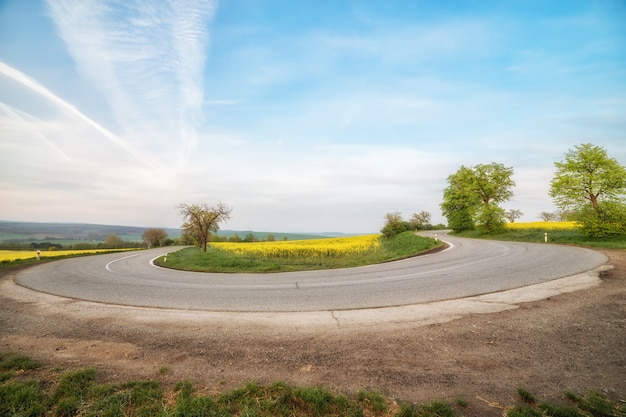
[{"x": 315, "y": 117}]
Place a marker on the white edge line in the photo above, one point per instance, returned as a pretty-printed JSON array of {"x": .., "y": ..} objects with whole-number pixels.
[{"x": 108, "y": 266}]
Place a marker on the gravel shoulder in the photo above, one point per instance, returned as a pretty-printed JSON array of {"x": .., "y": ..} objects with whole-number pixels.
[{"x": 481, "y": 350}]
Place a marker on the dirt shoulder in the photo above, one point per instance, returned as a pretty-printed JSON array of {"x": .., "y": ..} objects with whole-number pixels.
[{"x": 574, "y": 341}]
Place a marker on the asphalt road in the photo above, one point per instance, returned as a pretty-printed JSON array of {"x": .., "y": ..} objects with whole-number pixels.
[{"x": 469, "y": 267}]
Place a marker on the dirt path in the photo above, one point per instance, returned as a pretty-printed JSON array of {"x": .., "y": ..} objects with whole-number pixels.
[{"x": 574, "y": 341}]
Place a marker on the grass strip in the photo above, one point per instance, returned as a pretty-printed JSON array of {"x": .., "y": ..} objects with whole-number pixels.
[
  {"x": 32, "y": 390},
  {"x": 218, "y": 260},
  {"x": 569, "y": 237}
]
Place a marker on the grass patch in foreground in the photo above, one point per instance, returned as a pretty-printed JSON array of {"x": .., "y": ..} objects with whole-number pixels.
[
  {"x": 33, "y": 391},
  {"x": 323, "y": 254},
  {"x": 570, "y": 237}
]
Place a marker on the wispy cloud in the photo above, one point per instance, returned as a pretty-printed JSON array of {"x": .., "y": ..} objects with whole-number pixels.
[
  {"x": 301, "y": 115},
  {"x": 27, "y": 122},
  {"x": 147, "y": 60},
  {"x": 39, "y": 89}
]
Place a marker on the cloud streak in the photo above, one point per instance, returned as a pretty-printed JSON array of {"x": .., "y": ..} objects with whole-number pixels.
[
  {"x": 34, "y": 86},
  {"x": 304, "y": 116},
  {"x": 15, "y": 115},
  {"x": 147, "y": 61}
]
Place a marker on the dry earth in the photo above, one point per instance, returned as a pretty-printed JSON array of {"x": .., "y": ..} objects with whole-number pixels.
[{"x": 574, "y": 341}]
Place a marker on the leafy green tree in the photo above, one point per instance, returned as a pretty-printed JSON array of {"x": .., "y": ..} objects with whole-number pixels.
[
  {"x": 394, "y": 224},
  {"x": 202, "y": 219},
  {"x": 473, "y": 196},
  {"x": 593, "y": 186},
  {"x": 459, "y": 202}
]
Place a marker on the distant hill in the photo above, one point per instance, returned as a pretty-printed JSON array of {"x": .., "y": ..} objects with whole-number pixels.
[
  {"x": 12, "y": 231},
  {"x": 23, "y": 231}
]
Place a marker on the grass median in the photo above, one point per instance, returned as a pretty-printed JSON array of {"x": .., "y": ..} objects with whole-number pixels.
[{"x": 285, "y": 256}]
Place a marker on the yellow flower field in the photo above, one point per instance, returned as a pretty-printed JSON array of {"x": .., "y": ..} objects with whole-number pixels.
[
  {"x": 13, "y": 255},
  {"x": 544, "y": 225},
  {"x": 329, "y": 247}
]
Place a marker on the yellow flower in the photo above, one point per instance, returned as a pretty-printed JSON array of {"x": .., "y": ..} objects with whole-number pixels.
[
  {"x": 544, "y": 225},
  {"x": 330, "y": 247},
  {"x": 13, "y": 255}
]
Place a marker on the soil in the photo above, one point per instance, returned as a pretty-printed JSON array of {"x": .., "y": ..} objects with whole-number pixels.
[{"x": 574, "y": 341}]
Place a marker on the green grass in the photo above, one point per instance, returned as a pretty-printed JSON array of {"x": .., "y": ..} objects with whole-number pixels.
[
  {"x": 33, "y": 390},
  {"x": 5, "y": 265},
  {"x": 525, "y": 396},
  {"x": 214, "y": 260},
  {"x": 571, "y": 237},
  {"x": 16, "y": 361}
]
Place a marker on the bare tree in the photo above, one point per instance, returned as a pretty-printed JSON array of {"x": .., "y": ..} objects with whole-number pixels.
[
  {"x": 420, "y": 220},
  {"x": 202, "y": 219},
  {"x": 546, "y": 216},
  {"x": 564, "y": 215},
  {"x": 513, "y": 214}
]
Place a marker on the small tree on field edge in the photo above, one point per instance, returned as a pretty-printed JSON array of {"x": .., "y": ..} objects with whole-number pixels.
[
  {"x": 202, "y": 219},
  {"x": 154, "y": 237},
  {"x": 394, "y": 224},
  {"x": 593, "y": 186}
]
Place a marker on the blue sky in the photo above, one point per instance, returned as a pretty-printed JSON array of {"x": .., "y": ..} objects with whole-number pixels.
[{"x": 303, "y": 116}]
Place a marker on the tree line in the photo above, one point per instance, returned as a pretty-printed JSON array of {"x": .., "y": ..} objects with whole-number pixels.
[
  {"x": 395, "y": 224},
  {"x": 150, "y": 238},
  {"x": 588, "y": 187}
]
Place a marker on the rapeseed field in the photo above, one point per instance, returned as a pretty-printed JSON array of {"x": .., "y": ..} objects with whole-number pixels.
[
  {"x": 543, "y": 225},
  {"x": 14, "y": 255},
  {"x": 314, "y": 248}
]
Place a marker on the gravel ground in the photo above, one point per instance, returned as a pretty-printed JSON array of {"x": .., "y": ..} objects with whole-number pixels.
[{"x": 574, "y": 341}]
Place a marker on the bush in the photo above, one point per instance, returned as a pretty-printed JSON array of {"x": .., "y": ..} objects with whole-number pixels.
[
  {"x": 609, "y": 219},
  {"x": 392, "y": 229}
]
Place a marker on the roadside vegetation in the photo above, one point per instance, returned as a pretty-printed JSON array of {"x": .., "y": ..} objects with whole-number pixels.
[
  {"x": 299, "y": 255},
  {"x": 589, "y": 187},
  {"x": 555, "y": 232},
  {"x": 31, "y": 389}
]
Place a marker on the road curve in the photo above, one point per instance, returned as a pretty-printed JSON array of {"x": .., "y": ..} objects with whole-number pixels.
[{"x": 468, "y": 267}]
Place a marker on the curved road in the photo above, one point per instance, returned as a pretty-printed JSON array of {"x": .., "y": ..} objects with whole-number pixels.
[{"x": 468, "y": 267}]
